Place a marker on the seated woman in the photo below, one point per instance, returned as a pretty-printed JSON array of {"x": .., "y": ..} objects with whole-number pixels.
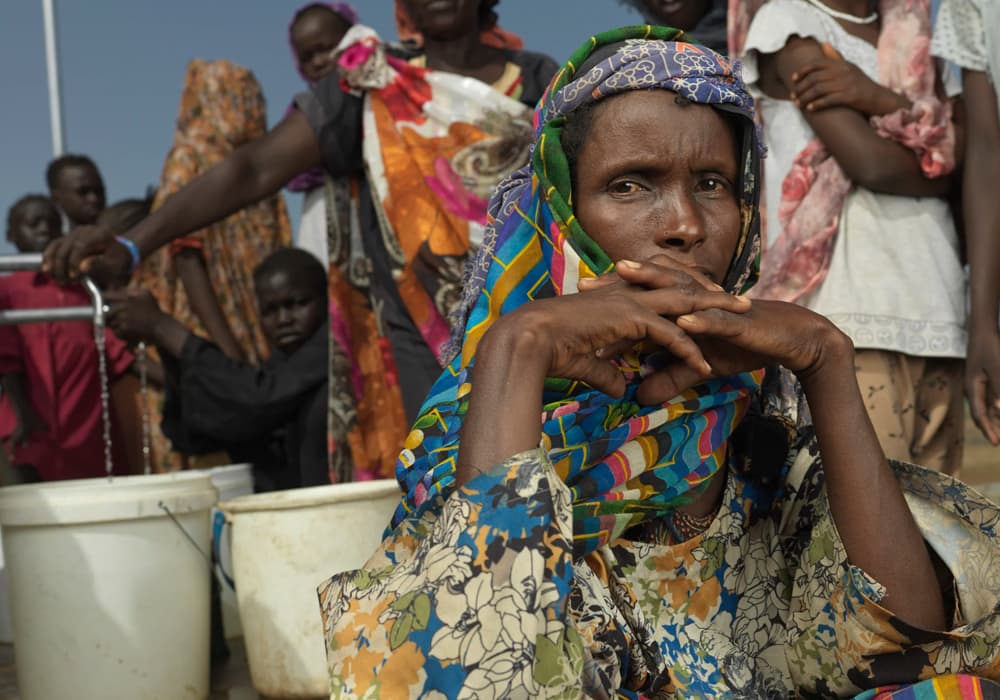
[{"x": 635, "y": 516}]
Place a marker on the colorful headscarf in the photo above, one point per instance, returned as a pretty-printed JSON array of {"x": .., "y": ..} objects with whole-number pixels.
[{"x": 623, "y": 461}]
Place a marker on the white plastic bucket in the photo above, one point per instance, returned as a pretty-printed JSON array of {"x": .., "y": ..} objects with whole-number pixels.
[
  {"x": 284, "y": 545},
  {"x": 109, "y": 597},
  {"x": 231, "y": 481}
]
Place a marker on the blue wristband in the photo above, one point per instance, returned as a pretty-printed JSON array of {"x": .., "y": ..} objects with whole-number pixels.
[{"x": 133, "y": 251}]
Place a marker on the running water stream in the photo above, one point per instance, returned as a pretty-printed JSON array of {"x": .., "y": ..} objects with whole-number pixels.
[{"x": 102, "y": 368}]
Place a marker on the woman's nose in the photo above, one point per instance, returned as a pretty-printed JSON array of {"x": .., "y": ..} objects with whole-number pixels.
[{"x": 682, "y": 224}]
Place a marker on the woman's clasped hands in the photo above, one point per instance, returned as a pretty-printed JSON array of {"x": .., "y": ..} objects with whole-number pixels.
[{"x": 672, "y": 305}]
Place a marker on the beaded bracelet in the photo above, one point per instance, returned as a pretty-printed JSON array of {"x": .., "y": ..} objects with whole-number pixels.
[{"x": 133, "y": 251}]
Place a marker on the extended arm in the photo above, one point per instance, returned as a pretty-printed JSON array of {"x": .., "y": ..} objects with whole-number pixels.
[{"x": 252, "y": 172}]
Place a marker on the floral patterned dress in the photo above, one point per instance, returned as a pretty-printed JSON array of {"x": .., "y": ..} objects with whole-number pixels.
[
  {"x": 482, "y": 597},
  {"x": 562, "y": 572}
]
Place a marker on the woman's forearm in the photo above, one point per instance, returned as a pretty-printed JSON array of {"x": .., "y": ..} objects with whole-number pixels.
[
  {"x": 982, "y": 216},
  {"x": 867, "y": 504},
  {"x": 505, "y": 405},
  {"x": 190, "y": 266},
  {"x": 249, "y": 174}
]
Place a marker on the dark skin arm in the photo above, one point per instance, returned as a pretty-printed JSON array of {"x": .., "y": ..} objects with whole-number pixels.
[
  {"x": 135, "y": 317},
  {"x": 870, "y": 161},
  {"x": 547, "y": 338},
  {"x": 190, "y": 267},
  {"x": 252, "y": 172},
  {"x": 982, "y": 230}
]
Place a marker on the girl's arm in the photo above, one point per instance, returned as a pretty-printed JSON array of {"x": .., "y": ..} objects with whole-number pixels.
[
  {"x": 190, "y": 266},
  {"x": 869, "y": 160}
]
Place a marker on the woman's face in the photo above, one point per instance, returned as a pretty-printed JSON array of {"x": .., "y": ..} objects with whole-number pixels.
[
  {"x": 315, "y": 35},
  {"x": 444, "y": 19},
  {"x": 655, "y": 176}
]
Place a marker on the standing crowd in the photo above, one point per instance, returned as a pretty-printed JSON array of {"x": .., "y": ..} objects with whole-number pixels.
[{"x": 742, "y": 262}]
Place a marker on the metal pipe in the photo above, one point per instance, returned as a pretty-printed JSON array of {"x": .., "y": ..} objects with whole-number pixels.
[
  {"x": 10, "y": 317},
  {"x": 98, "y": 309},
  {"x": 33, "y": 261},
  {"x": 52, "y": 69},
  {"x": 22, "y": 262}
]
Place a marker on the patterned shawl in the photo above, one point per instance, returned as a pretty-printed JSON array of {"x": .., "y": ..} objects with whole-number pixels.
[
  {"x": 814, "y": 191},
  {"x": 623, "y": 461},
  {"x": 221, "y": 108},
  {"x": 435, "y": 147}
]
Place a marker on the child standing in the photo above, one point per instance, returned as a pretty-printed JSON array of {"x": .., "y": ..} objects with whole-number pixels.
[
  {"x": 858, "y": 227},
  {"x": 273, "y": 415},
  {"x": 50, "y": 412}
]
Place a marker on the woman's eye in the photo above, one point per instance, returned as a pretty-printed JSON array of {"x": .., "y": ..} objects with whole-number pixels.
[
  {"x": 624, "y": 187},
  {"x": 714, "y": 184}
]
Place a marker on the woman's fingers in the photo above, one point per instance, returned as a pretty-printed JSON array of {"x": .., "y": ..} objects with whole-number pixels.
[
  {"x": 600, "y": 374},
  {"x": 672, "y": 338},
  {"x": 667, "y": 383},
  {"x": 646, "y": 270},
  {"x": 589, "y": 284},
  {"x": 714, "y": 322},
  {"x": 673, "y": 291}
]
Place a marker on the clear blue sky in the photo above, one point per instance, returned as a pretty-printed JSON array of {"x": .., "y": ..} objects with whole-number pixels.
[{"x": 123, "y": 64}]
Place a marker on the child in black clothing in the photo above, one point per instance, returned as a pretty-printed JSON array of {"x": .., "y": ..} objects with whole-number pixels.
[{"x": 273, "y": 415}]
